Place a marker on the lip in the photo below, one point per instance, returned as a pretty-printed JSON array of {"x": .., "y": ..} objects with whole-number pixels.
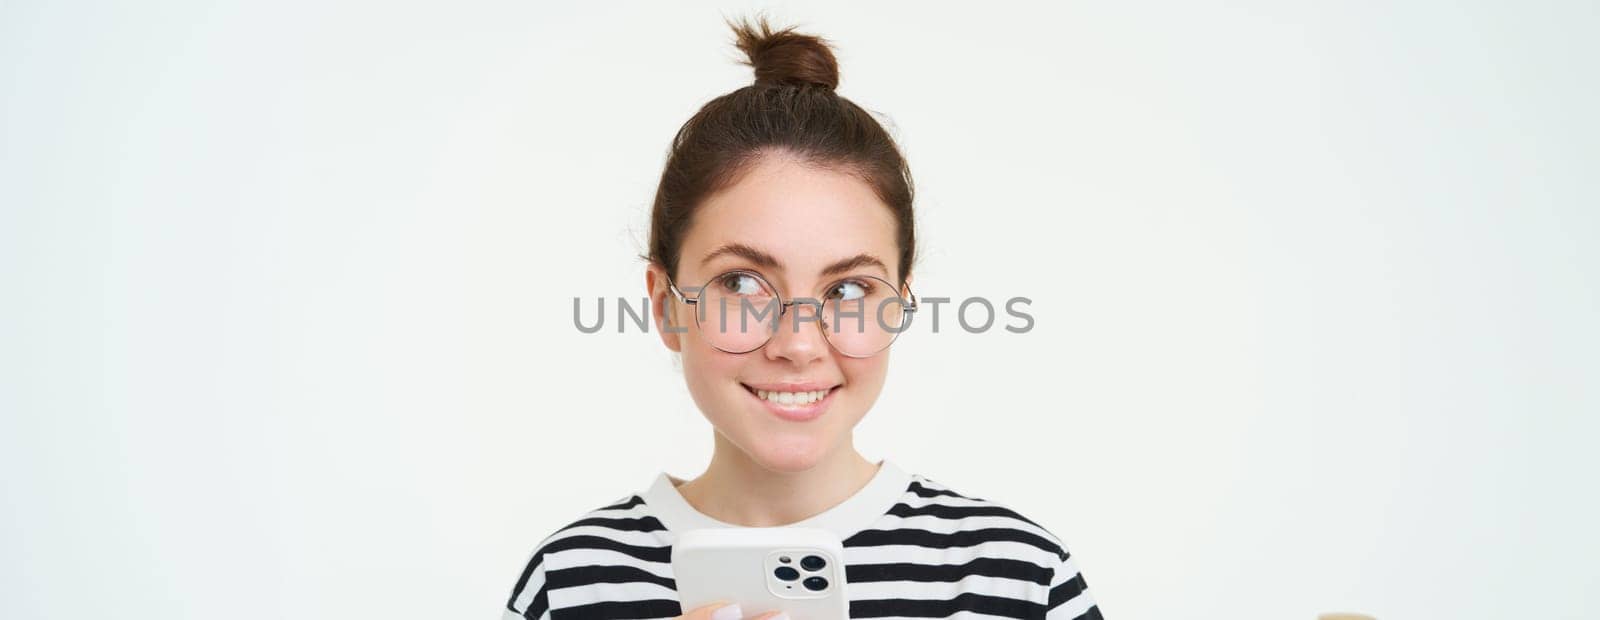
[
  {"x": 810, "y": 386},
  {"x": 793, "y": 413}
]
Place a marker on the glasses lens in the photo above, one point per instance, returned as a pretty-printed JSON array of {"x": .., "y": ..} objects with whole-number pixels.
[
  {"x": 738, "y": 312},
  {"x": 862, "y": 316}
]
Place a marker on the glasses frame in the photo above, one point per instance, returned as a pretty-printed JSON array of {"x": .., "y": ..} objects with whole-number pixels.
[{"x": 907, "y": 310}]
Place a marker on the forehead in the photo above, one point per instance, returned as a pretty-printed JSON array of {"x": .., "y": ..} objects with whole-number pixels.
[{"x": 804, "y": 216}]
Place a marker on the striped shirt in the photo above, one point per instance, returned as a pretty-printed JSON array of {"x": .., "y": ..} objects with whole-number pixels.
[{"x": 913, "y": 549}]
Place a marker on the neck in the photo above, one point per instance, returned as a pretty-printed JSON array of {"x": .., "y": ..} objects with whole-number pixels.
[{"x": 735, "y": 489}]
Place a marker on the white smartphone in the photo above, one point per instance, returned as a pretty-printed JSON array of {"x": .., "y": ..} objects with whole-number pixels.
[{"x": 799, "y": 571}]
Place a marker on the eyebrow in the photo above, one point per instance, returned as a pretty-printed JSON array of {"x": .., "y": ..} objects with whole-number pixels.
[
  {"x": 761, "y": 259},
  {"x": 855, "y": 262},
  {"x": 765, "y": 260}
]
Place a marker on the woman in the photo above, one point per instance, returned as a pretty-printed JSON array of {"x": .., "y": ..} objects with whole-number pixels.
[{"x": 782, "y": 205}]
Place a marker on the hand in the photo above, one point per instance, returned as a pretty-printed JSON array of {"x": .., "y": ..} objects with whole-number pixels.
[{"x": 725, "y": 611}]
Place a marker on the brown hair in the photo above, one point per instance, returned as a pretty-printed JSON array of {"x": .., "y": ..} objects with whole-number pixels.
[{"x": 791, "y": 108}]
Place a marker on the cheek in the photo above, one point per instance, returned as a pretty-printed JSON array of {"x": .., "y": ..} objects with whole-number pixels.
[
  {"x": 711, "y": 376},
  {"x": 865, "y": 376}
]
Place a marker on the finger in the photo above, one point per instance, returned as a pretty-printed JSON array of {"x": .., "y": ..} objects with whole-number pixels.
[{"x": 720, "y": 610}]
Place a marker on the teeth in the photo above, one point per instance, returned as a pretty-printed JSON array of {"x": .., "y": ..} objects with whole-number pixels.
[{"x": 792, "y": 398}]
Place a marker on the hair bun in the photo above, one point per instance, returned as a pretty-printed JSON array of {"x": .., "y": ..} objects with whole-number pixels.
[{"x": 785, "y": 57}]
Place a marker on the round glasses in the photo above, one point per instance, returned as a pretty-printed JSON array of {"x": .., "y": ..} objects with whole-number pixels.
[{"x": 739, "y": 311}]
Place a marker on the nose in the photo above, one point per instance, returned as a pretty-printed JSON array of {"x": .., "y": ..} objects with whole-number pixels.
[{"x": 798, "y": 339}]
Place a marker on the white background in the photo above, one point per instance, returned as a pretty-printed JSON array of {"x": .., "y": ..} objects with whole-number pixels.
[{"x": 287, "y": 323}]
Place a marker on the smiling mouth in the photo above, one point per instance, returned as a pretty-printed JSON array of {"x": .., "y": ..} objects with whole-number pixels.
[{"x": 793, "y": 399}]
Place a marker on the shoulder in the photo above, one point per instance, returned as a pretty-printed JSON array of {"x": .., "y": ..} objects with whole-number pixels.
[
  {"x": 620, "y": 536},
  {"x": 975, "y": 521},
  {"x": 991, "y": 519}
]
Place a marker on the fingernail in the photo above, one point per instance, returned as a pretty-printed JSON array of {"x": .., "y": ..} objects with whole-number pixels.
[
  {"x": 730, "y": 612},
  {"x": 780, "y": 616}
]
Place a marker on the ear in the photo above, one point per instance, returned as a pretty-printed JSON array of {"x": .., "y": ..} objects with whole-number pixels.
[{"x": 662, "y": 306}]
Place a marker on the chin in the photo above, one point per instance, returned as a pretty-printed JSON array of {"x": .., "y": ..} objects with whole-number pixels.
[{"x": 792, "y": 454}]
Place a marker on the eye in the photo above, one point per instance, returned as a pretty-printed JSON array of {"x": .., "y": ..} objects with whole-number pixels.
[
  {"x": 849, "y": 289},
  {"x": 742, "y": 284}
]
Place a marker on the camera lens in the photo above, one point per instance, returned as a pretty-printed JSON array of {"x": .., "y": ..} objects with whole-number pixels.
[
  {"x": 815, "y": 583},
  {"x": 812, "y": 562},
  {"x": 786, "y": 573}
]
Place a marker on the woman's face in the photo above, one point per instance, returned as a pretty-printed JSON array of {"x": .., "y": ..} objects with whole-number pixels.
[{"x": 790, "y": 222}]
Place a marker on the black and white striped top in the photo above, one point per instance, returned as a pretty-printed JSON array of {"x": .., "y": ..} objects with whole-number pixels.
[{"x": 913, "y": 549}]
